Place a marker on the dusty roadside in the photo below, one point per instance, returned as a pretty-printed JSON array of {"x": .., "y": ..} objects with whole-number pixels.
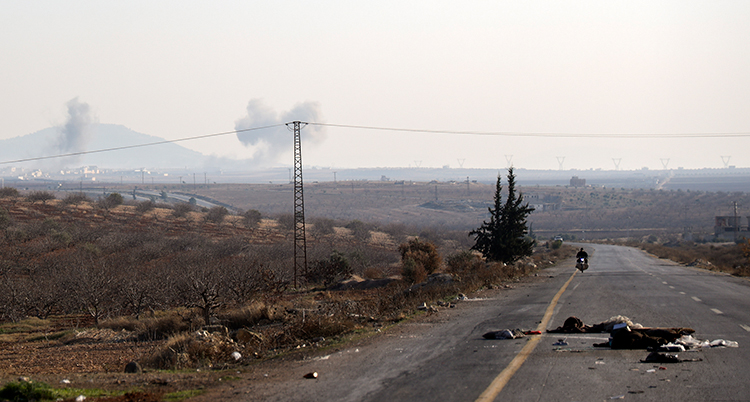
[{"x": 355, "y": 362}]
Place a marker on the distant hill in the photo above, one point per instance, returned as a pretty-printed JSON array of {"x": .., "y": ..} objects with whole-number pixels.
[{"x": 103, "y": 136}]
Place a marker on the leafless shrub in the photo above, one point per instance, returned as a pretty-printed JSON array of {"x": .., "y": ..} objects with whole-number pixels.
[
  {"x": 13, "y": 292},
  {"x": 5, "y": 218},
  {"x": 243, "y": 278},
  {"x": 89, "y": 282},
  {"x": 286, "y": 222},
  {"x": 250, "y": 315},
  {"x": 198, "y": 283},
  {"x": 397, "y": 231},
  {"x": 75, "y": 199},
  {"x": 42, "y": 196},
  {"x": 145, "y": 206},
  {"x": 216, "y": 214},
  {"x": 181, "y": 209},
  {"x": 227, "y": 247},
  {"x": 320, "y": 325},
  {"x": 360, "y": 230},
  {"x": 323, "y": 226},
  {"x": 189, "y": 241},
  {"x": 190, "y": 351},
  {"x": 463, "y": 261},
  {"x": 152, "y": 328},
  {"x": 8, "y": 192}
]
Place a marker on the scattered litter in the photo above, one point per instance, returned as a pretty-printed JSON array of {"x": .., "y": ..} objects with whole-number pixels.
[
  {"x": 65, "y": 381},
  {"x": 504, "y": 334},
  {"x": 236, "y": 356},
  {"x": 80, "y": 398},
  {"x": 560, "y": 342},
  {"x": 574, "y": 325},
  {"x": 656, "y": 357},
  {"x": 651, "y": 370},
  {"x": 671, "y": 347},
  {"x": 599, "y": 362},
  {"x": 724, "y": 343},
  {"x": 532, "y": 332},
  {"x": 618, "y": 397},
  {"x": 461, "y": 296},
  {"x": 635, "y": 392},
  {"x": 313, "y": 375}
]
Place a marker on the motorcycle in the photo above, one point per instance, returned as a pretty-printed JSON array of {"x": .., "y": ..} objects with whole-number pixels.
[{"x": 582, "y": 264}]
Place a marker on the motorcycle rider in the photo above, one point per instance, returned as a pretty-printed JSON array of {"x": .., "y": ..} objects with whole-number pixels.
[{"x": 583, "y": 254}]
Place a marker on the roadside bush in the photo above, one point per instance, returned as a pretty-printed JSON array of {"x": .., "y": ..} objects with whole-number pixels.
[
  {"x": 423, "y": 253},
  {"x": 181, "y": 209},
  {"x": 251, "y": 218},
  {"x": 7, "y": 192},
  {"x": 463, "y": 261},
  {"x": 320, "y": 325},
  {"x": 216, "y": 214},
  {"x": 27, "y": 391},
  {"x": 328, "y": 271},
  {"x": 42, "y": 196},
  {"x": 5, "y": 219},
  {"x": 323, "y": 226},
  {"x": 75, "y": 199},
  {"x": 190, "y": 351},
  {"x": 110, "y": 201},
  {"x": 145, "y": 206},
  {"x": 412, "y": 272},
  {"x": 286, "y": 222},
  {"x": 359, "y": 229}
]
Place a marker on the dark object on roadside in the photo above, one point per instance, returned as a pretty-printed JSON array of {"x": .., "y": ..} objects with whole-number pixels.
[
  {"x": 624, "y": 334},
  {"x": 313, "y": 375},
  {"x": 645, "y": 338},
  {"x": 656, "y": 357},
  {"x": 572, "y": 325},
  {"x": 504, "y": 334},
  {"x": 133, "y": 367}
]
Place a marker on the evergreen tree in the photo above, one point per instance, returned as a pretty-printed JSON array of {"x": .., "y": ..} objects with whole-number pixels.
[{"x": 504, "y": 238}]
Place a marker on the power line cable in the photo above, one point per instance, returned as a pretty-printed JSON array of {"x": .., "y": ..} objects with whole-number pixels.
[
  {"x": 148, "y": 144},
  {"x": 539, "y": 134},
  {"x": 409, "y": 130}
]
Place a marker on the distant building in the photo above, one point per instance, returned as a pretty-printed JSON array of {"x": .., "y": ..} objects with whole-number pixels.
[
  {"x": 727, "y": 227},
  {"x": 576, "y": 182}
]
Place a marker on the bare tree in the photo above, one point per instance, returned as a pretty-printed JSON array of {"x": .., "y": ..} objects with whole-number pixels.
[
  {"x": 42, "y": 196},
  {"x": 199, "y": 283}
]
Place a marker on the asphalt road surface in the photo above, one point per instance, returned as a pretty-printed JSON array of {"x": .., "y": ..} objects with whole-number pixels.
[{"x": 445, "y": 358}]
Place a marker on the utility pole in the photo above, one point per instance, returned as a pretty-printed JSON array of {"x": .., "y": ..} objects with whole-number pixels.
[
  {"x": 300, "y": 243},
  {"x": 736, "y": 222}
]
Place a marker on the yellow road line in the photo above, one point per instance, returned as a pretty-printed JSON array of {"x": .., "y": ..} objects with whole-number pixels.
[{"x": 502, "y": 379}]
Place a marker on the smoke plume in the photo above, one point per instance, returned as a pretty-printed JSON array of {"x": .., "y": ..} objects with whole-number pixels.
[
  {"x": 269, "y": 144},
  {"x": 76, "y": 133}
]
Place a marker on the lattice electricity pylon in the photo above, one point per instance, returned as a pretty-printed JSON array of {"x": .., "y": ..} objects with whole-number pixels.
[{"x": 300, "y": 243}]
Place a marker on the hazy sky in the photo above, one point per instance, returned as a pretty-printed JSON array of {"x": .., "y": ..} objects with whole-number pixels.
[{"x": 184, "y": 68}]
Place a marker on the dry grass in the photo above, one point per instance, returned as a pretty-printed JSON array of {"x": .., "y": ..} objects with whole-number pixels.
[{"x": 726, "y": 257}]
